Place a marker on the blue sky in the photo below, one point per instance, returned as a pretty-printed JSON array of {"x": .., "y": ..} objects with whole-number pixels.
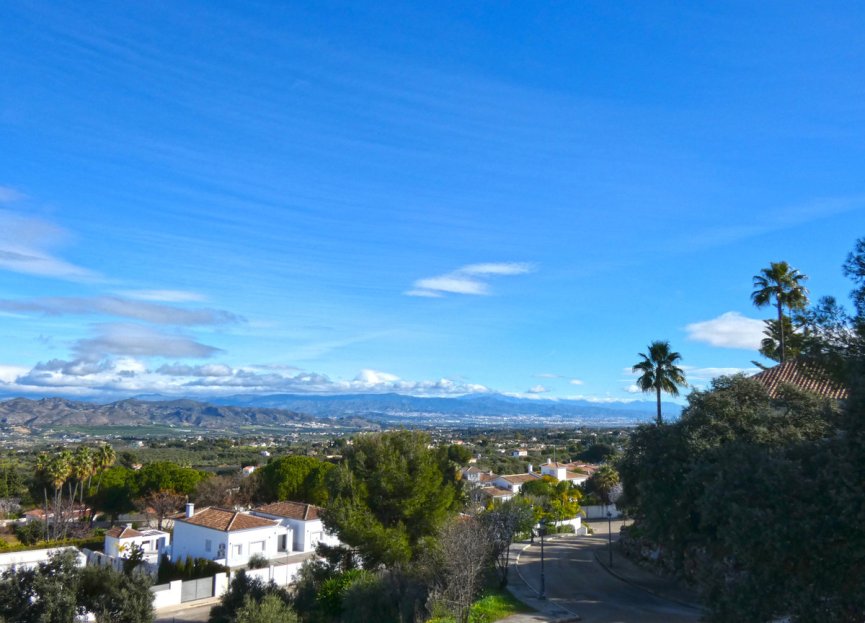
[{"x": 436, "y": 198}]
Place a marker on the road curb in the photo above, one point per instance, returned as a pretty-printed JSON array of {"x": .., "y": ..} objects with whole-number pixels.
[
  {"x": 646, "y": 589},
  {"x": 574, "y": 616}
]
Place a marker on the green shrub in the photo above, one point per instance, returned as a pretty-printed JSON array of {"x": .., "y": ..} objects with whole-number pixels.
[{"x": 257, "y": 561}]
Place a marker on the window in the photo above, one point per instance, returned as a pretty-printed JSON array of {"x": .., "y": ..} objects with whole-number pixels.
[
  {"x": 208, "y": 545},
  {"x": 283, "y": 543},
  {"x": 256, "y": 547},
  {"x": 236, "y": 550}
]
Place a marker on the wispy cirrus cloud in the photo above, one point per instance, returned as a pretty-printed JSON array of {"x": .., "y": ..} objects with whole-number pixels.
[
  {"x": 471, "y": 279},
  {"x": 164, "y": 296},
  {"x": 25, "y": 247},
  {"x": 155, "y": 313},
  {"x": 729, "y": 330},
  {"x": 139, "y": 341}
]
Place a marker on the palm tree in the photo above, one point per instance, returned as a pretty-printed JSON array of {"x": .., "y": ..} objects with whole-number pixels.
[
  {"x": 781, "y": 284},
  {"x": 659, "y": 372}
]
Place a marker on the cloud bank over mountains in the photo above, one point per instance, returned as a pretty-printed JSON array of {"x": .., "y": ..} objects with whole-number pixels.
[{"x": 128, "y": 376}]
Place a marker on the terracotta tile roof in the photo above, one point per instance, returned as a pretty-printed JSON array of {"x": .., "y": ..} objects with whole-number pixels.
[
  {"x": 226, "y": 520},
  {"x": 518, "y": 479},
  {"x": 123, "y": 532},
  {"x": 802, "y": 376},
  {"x": 573, "y": 475},
  {"x": 291, "y": 510},
  {"x": 495, "y": 492}
]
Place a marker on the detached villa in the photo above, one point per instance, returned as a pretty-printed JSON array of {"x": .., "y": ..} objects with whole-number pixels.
[
  {"x": 301, "y": 520},
  {"x": 227, "y": 536}
]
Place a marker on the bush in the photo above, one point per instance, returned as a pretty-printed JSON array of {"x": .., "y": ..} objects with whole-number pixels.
[
  {"x": 30, "y": 533},
  {"x": 257, "y": 561}
]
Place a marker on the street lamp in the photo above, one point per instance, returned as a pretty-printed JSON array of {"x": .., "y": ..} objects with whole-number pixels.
[
  {"x": 543, "y": 593},
  {"x": 610, "y": 534}
]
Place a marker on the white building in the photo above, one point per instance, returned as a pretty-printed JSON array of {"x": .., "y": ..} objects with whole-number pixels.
[
  {"x": 302, "y": 520},
  {"x": 563, "y": 471},
  {"x": 514, "y": 482},
  {"x": 228, "y": 537},
  {"x": 120, "y": 540}
]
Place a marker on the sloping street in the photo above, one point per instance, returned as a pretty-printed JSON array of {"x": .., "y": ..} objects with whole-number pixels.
[{"x": 578, "y": 585}]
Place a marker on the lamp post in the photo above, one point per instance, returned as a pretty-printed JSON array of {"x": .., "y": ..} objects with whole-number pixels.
[
  {"x": 610, "y": 534},
  {"x": 543, "y": 593}
]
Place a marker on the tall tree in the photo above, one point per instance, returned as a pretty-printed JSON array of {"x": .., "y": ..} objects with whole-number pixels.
[
  {"x": 781, "y": 285},
  {"x": 389, "y": 494},
  {"x": 658, "y": 371}
]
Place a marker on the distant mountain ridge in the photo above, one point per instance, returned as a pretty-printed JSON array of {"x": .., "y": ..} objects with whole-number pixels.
[
  {"x": 305, "y": 409},
  {"x": 52, "y": 412}
]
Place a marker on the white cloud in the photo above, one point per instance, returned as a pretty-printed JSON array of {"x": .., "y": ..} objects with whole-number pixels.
[
  {"x": 454, "y": 284},
  {"x": 497, "y": 268},
  {"x": 24, "y": 248},
  {"x": 139, "y": 341},
  {"x": 548, "y": 375},
  {"x": 210, "y": 369},
  {"x": 537, "y": 389},
  {"x": 707, "y": 374},
  {"x": 729, "y": 330},
  {"x": 374, "y": 377},
  {"x": 468, "y": 279},
  {"x": 424, "y": 293},
  {"x": 164, "y": 296},
  {"x": 633, "y": 389},
  {"x": 127, "y": 375},
  {"x": 575, "y": 382},
  {"x": 124, "y": 308}
]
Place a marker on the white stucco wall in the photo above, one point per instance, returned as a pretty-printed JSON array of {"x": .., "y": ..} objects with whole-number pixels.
[
  {"x": 29, "y": 559},
  {"x": 190, "y": 541}
]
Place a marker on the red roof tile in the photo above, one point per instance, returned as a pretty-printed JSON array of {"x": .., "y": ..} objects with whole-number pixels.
[
  {"x": 123, "y": 532},
  {"x": 226, "y": 520},
  {"x": 802, "y": 376},
  {"x": 291, "y": 510}
]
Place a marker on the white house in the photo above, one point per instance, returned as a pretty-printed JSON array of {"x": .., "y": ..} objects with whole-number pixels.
[
  {"x": 477, "y": 476},
  {"x": 514, "y": 482},
  {"x": 227, "y": 536},
  {"x": 303, "y": 520},
  {"x": 563, "y": 471},
  {"x": 496, "y": 494},
  {"x": 519, "y": 452},
  {"x": 120, "y": 540}
]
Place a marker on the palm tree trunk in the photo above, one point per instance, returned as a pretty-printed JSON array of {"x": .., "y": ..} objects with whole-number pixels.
[
  {"x": 781, "y": 328},
  {"x": 660, "y": 420}
]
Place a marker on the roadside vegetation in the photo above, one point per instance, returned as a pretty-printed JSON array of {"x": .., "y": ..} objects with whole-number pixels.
[{"x": 757, "y": 498}]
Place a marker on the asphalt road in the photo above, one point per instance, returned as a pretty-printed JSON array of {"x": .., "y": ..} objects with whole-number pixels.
[{"x": 575, "y": 581}]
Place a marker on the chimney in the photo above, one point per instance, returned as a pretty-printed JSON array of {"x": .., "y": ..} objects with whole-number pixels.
[
  {"x": 549, "y": 461},
  {"x": 190, "y": 509},
  {"x": 530, "y": 470}
]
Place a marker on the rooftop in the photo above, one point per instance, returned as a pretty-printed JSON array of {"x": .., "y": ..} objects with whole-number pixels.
[
  {"x": 291, "y": 510},
  {"x": 803, "y": 376},
  {"x": 226, "y": 520}
]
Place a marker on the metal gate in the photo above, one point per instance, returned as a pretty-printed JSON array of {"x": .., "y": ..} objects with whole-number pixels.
[{"x": 190, "y": 590}]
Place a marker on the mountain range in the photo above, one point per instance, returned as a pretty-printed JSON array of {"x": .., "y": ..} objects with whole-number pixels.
[{"x": 353, "y": 410}]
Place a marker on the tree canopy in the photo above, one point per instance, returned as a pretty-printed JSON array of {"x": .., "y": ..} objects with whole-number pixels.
[{"x": 389, "y": 494}]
